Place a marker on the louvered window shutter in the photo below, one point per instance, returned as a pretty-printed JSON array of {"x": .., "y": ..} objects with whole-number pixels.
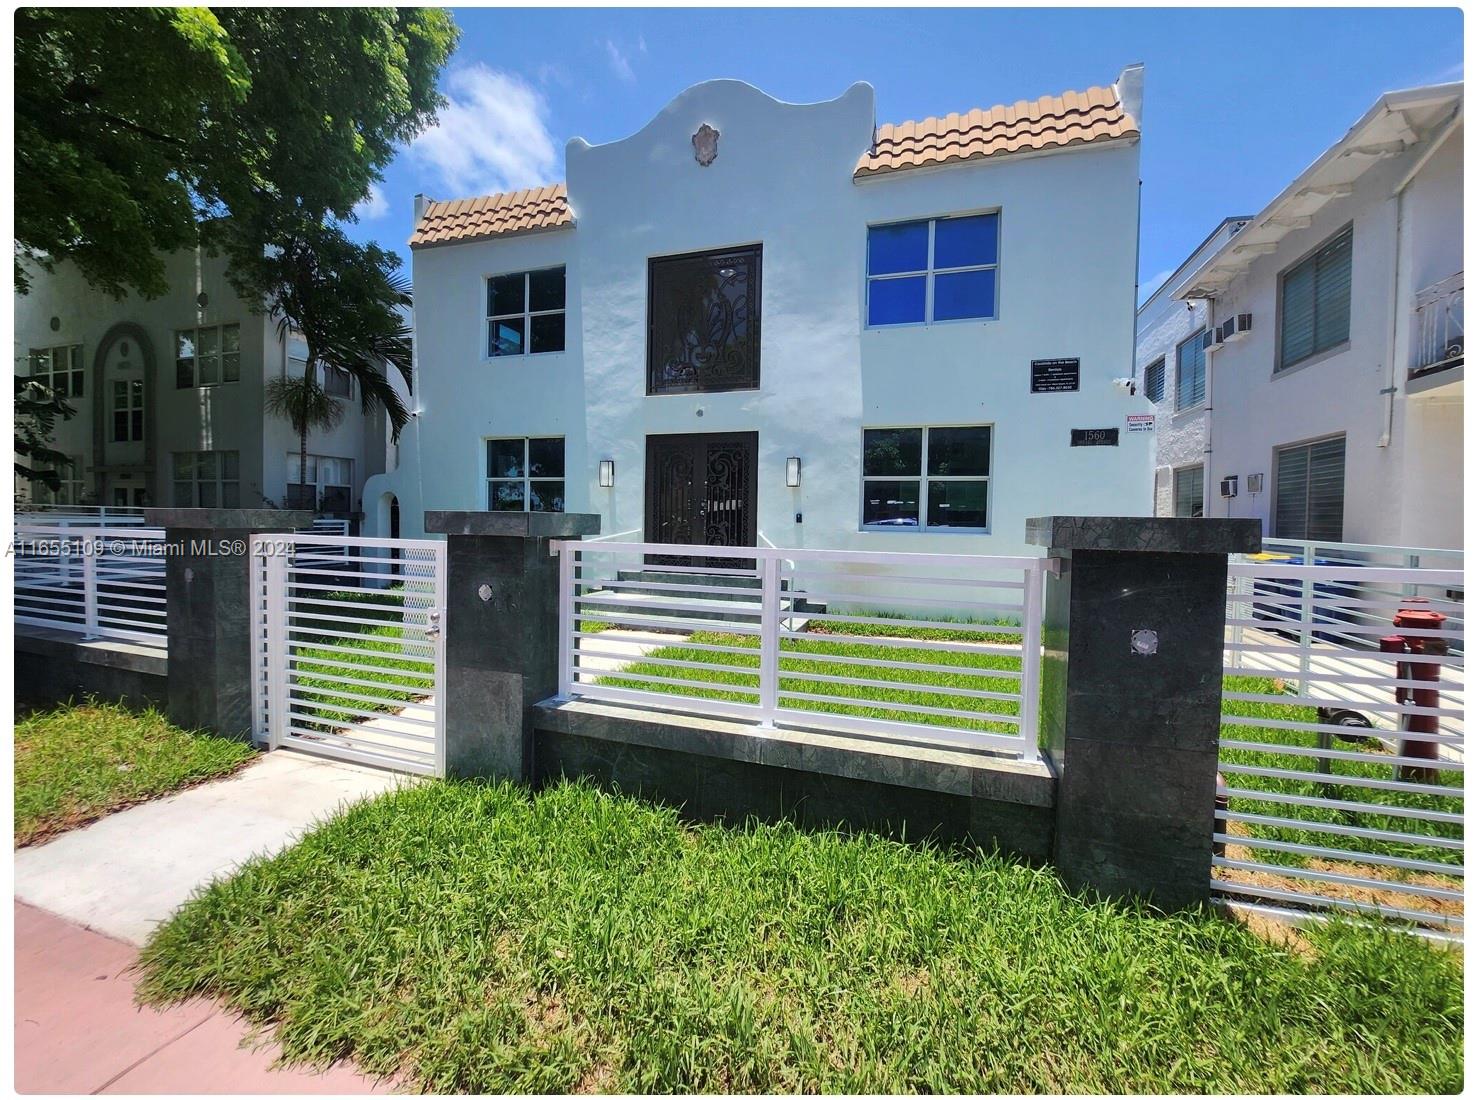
[
  {"x": 1327, "y": 490},
  {"x": 1310, "y": 494},
  {"x": 1315, "y": 303},
  {"x": 1333, "y": 293}
]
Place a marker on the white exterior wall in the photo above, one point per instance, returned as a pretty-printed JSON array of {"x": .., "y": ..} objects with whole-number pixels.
[
  {"x": 1391, "y": 494},
  {"x": 784, "y": 178},
  {"x": 225, "y": 417},
  {"x": 1163, "y": 323}
]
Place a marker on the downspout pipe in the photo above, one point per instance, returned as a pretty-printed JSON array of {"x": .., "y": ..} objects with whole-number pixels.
[{"x": 1389, "y": 394}]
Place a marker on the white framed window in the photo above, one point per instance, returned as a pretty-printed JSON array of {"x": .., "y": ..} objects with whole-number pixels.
[
  {"x": 936, "y": 269},
  {"x": 526, "y": 312},
  {"x": 927, "y": 478},
  {"x": 1186, "y": 492},
  {"x": 329, "y": 486},
  {"x": 206, "y": 479},
  {"x": 128, "y": 410},
  {"x": 526, "y": 475},
  {"x": 59, "y": 369},
  {"x": 207, "y": 356},
  {"x": 336, "y": 382},
  {"x": 1191, "y": 371}
]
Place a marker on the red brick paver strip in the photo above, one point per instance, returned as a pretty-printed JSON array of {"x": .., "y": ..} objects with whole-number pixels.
[{"x": 77, "y": 1029}]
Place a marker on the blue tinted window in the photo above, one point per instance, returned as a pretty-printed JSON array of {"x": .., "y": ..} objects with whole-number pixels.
[
  {"x": 896, "y": 301},
  {"x": 965, "y": 294},
  {"x": 897, "y": 248},
  {"x": 965, "y": 242}
]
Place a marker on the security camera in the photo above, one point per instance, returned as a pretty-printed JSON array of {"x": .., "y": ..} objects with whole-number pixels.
[{"x": 1126, "y": 384}]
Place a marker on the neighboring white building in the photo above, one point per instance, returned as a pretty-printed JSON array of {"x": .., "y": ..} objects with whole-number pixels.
[
  {"x": 1333, "y": 366},
  {"x": 745, "y": 282},
  {"x": 1168, "y": 336},
  {"x": 168, "y": 393}
]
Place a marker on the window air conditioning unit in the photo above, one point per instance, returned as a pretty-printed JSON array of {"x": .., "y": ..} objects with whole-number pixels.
[
  {"x": 1235, "y": 328},
  {"x": 1211, "y": 340},
  {"x": 1229, "y": 487},
  {"x": 1255, "y": 484}
]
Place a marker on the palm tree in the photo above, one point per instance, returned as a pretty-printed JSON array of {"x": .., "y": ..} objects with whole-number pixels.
[{"x": 302, "y": 402}]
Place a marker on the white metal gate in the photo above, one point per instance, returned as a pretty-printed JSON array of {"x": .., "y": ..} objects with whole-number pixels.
[
  {"x": 1342, "y": 746},
  {"x": 349, "y": 656}
]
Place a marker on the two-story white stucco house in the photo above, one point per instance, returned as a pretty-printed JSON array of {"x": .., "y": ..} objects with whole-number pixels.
[
  {"x": 756, "y": 322},
  {"x": 1326, "y": 387},
  {"x": 168, "y": 394}
]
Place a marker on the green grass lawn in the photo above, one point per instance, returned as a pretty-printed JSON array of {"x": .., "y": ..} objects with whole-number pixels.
[
  {"x": 805, "y": 668},
  {"x": 730, "y": 679},
  {"x": 376, "y": 656},
  {"x": 477, "y": 938},
  {"x": 1365, "y": 803},
  {"x": 79, "y": 762}
]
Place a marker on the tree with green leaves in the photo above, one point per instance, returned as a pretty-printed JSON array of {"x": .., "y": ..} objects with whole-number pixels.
[
  {"x": 304, "y": 404},
  {"x": 254, "y": 130},
  {"x": 347, "y": 301},
  {"x": 136, "y": 125},
  {"x": 37, "y": 409}
]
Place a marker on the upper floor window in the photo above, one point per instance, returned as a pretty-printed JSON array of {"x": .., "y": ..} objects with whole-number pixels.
[
  {"x": 526, "y": 475},
  {"x": 526, "y": 312},
  {"x": 337, "y": 382},
  {"x": 703, "y": 321},
  {"x": 128, "y": 410},
  {"x": 1155, "y": 381},
  {"x": 923, "y": 478},
  {"x": 1191, "y": 371},
  {"x": 59, "y": 369},
  {"x": 941, "y": 269},
  {"x": 1315, "y": 302},
  {"x": 207, "y": 356},
  {"x": 207, "y": 479}
]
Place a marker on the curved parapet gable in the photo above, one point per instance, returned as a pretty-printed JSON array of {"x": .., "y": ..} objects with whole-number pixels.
[{"x": 751, "y": 139}]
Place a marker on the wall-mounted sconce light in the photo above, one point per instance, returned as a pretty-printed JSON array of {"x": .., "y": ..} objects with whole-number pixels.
[
  {"x": 793, "y": 472},
  {"x": 606, "y": 473}
]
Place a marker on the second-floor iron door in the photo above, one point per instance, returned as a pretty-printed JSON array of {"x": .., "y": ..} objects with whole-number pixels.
[{"x": 701, "y": 490}]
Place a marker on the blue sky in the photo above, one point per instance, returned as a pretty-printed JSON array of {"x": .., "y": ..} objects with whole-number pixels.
[{"x": 1237, "y": 101}]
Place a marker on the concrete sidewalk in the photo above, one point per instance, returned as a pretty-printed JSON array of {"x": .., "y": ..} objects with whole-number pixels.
[
  {"x": 129, "y": 871},
  {"x": 77, "y": 1029}
]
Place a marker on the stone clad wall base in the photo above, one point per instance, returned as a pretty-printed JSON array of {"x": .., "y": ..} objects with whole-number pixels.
[
  {"x": 54, "y": 666},
  {"x": 1132, "y": 690},
  {"x": 207, "y": 577},
  {"x": 503, "y": 595},
  {"x": 714, "y": 769}
]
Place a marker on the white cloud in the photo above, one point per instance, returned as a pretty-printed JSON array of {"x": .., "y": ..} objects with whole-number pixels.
[
  {"x": 493, "y": 135},
  {"x": 619, "y": 63},
  {"x": 372, "y": 206},
  {"x": 1151, "y": 285}
]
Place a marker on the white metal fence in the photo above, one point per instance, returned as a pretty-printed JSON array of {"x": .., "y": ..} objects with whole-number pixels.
[
  {"x": 77, "y": 515},
  {"x": 916, "y": 647},
  {"x": 1342, "y": 743},
  {"x": 99, "y": 582},
  {"x": 348, "y": 649}
]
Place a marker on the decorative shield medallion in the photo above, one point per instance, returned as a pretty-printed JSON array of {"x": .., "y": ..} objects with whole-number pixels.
[{"x": 705, "y": 145}]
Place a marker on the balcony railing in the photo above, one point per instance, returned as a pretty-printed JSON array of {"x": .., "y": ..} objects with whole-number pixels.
[{"x": 1438, "y": 314}]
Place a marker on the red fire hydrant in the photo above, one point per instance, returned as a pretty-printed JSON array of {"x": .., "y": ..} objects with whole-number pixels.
[{"x": 1412, "y": 615}]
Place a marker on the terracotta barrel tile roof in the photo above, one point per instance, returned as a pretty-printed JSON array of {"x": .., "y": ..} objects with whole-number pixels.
[
  {"x": 1073, "y": 118},
  {"x": 462, "y": 220}
]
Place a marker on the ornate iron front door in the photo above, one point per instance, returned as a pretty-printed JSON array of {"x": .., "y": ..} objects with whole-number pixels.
[{"x": 701, "y": 491}]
